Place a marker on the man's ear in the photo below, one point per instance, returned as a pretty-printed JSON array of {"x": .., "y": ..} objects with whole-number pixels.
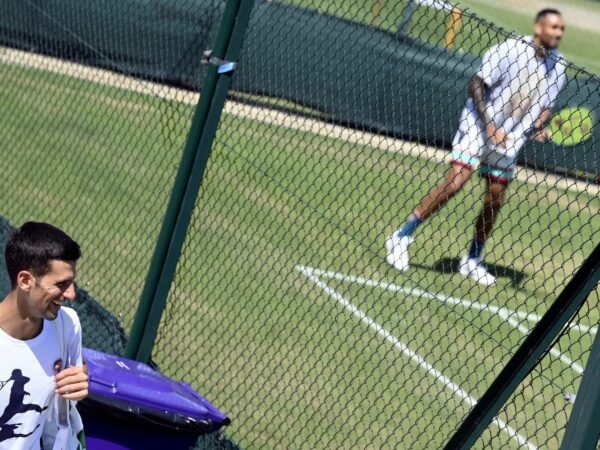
[
  {"x": 537, "y": 28},
  {"x": 25, "y": 280}
]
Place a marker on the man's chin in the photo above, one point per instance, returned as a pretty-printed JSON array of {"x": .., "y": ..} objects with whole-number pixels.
[{"x": 52, "y": 314}]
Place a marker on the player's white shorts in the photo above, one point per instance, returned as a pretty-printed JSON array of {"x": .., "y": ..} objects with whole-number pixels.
[{"x": 469, "y": 148}]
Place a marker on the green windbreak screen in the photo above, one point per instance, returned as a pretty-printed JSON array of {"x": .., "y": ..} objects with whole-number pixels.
[
  {"x": 356, "y": 77},
  {"x": 310, "y": 303}
]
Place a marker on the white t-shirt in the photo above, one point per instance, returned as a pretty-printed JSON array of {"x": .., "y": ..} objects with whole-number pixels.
[
  {"x": 27, "y": 382},
  {"x": 519, "y": 86}
]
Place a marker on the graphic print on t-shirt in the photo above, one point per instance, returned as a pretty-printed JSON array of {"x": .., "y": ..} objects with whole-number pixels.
[{"x": 16, "y": 405}]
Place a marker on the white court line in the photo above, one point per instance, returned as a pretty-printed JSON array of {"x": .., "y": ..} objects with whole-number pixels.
[
  {"x": 504, "y": 313},
  {"x": 270, "y": 116},
  {"x": 534, "y": 318},
  {"x": 422, "y": 363},
  {"x": 530, "y": 317}
]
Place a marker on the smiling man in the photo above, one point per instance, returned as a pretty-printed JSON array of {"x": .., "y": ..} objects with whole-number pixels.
[
  {"x": 41, "y": 368},
  {"x": 510, "y": 100}
]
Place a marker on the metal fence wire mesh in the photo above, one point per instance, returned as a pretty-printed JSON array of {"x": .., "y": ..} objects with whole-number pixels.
[
  {"x": 543, "y": 402},
  {"x": 91, "y": 150},
  {"x": 283, "y": 296},
  {"x": 288, "y": 309}
]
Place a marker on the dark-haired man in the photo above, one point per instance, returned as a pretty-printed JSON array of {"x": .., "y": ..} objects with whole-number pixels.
[
  {"x": 510, "y": 100},
  {"x": 41, "y": 368}
]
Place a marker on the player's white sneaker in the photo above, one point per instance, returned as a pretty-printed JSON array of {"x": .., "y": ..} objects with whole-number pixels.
[
  {"x": 397, "y": 251},
  {"x": 475, "y": 269}
]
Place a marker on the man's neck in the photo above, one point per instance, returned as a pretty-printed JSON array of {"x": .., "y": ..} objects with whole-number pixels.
[
  {"x": 16, "y": 324},
  {"x": 540, "y": 51}
]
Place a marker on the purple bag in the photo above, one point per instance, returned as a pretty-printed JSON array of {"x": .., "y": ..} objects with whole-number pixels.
[{"x": 132, "y": 406}]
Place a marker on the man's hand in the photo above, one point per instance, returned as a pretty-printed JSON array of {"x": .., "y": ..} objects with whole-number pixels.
[
  {"x": 542, "y": 119},
  {"x": 497, "y": 136},
  {"x": 72, "y": 383},
  {"x": 541, "y": 135},
  {"x": 541, "y": 131}
]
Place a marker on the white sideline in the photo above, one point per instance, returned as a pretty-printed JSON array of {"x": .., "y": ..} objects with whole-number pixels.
[
  {"x": 535, "y": 318},
  {"x": 270, "y": 116},
  {"x": 422, "y": 363},
  {"x": 504, "y": 313}
]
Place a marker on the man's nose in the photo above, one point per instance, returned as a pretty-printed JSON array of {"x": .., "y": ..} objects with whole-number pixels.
[{"x": 69, "y": 293}]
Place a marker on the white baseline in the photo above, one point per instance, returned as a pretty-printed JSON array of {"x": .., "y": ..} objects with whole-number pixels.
[
  {"x": 504, "y": 313},
  {"x": 422, "y": 363}
]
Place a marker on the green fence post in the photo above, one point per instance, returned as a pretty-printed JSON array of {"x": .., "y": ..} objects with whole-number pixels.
[
  {"x": 404, "y": 26},
  {"x": 528, "y": 354},
  {"x": 583, "y": 429},
  {"x": 187, "y": 183}
]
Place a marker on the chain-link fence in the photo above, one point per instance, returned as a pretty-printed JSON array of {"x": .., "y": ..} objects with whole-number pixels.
[
  {"x": 91, "y": 150},
  {"x": 544, "y": 401},
  {"x": 283, "y": 293},
  {"x": 288, "y": 310}
]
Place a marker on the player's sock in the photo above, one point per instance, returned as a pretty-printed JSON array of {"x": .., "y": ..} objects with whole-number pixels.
[
  {"x": 476, "y": 248},
  {"x": 410, "y": 226}
]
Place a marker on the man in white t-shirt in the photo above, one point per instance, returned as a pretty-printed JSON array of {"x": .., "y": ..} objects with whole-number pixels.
[
  {"x": 41, "y": 369},
  {"x": 510, "y": 100}
]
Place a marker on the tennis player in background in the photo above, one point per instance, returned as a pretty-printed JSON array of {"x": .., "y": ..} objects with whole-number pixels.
[{"x": 510, "y": 100}]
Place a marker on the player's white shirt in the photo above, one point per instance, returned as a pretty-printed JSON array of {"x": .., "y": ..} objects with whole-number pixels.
[
  {"x": 519, "y": 86},
  {"x": 29, "y": 366}
]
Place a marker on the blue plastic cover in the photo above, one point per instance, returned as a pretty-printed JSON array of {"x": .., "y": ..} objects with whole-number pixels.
[{"x": 134, "y": 388}]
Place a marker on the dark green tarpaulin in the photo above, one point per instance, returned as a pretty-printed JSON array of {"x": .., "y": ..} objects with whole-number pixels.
[{"x": 355, "y": 74}]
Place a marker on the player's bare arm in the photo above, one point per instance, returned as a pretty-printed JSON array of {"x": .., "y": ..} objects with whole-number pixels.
[
  {"x": 540, "y": 131},
  {"x": 476, "y": 90}
]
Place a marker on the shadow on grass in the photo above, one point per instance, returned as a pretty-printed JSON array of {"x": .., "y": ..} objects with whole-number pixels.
[
  {"x": 215, "y": 441},
  {"x": 450, "y": 265}
]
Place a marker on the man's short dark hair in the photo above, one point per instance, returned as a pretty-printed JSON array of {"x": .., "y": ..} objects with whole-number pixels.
[
  {"x": 546, "y": 11},
  {"x": 34, "y": 245}
]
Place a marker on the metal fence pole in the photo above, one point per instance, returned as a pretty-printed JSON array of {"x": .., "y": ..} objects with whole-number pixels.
[
  {"x": 189, "y": 178},
  {"x": 404, "y": 26},
  {"x": 583, "y": 430},
  {"x": 528, "y": 354}
]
